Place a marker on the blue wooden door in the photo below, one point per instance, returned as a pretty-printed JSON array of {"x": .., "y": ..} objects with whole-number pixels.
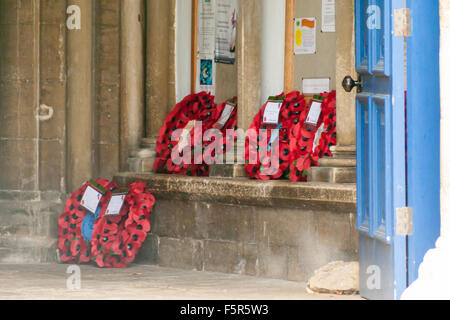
[
  {"x": 380, "y": 112},
  {"x": 423, "y": 134}
]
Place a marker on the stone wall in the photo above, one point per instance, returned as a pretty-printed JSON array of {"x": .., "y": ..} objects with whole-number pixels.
[
  {"x": 33, "y": 152},
  {"x": 107, "y": 93},
  {"x": 259, "y": 228}
]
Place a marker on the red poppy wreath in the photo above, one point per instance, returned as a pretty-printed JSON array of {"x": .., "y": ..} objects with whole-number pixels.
[
  {"x": 175, "y": 157},
  {"x": 308, "y": 144},
  {"x": 259, "y": 154},
  {"x": 110, "y": 241},
  {"x": 300, "y": 145}
]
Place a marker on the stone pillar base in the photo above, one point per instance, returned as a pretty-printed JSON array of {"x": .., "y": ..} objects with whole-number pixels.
[
  {"x": 141, "y": 160},
  {"x": 230, "y": 170},
  {"x": 227, "y": 171},
  {"x": 341, "y": 168},
  {"x": 434, "y": 276}
]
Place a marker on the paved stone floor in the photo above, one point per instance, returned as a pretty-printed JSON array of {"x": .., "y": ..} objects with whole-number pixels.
[{"x": 138, "y": 282}]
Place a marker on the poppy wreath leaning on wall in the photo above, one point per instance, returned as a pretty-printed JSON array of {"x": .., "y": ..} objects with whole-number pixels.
[
  {"x": 109, "y": 241},
  {"x": 307, "y": 145},
  {"x": 259, "y": 164},
  {"x": 199, "y": 107}
]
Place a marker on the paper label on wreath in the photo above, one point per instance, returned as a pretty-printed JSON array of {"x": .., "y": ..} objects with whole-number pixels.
[
  {"x": 91, "y": 198},
  {"x": 225, "y": 116},
  {"x": 115, "y": 205},
  {"x": 185, "y": 136},
  {"x": 272, "y": 112},
  {"x": 317, "y": 137},
  {"x": 314, "y": 113}
]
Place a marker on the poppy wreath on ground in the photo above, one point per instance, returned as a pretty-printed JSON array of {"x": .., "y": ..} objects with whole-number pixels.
[
  {"x": 307, "y": 145},
  {"x": 109, "y": 241},
  {"x": 199, "y": 107},
  {"x": 259, "y": 156}
]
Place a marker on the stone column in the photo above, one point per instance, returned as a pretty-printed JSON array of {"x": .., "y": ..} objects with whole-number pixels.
[
  {"x": 272, "y": 44},
  {"x": 132, "y": 78},
  {"x": 345, "y": 65},
  {"x": 249, "y": 80},
  {"x": 434, "y": 275},
  {"x": 342, "y": 167},
  {"x": 79, "y": 98},
  {"x": 249, "y": 61},
  {"x": 158, "y": 60}
]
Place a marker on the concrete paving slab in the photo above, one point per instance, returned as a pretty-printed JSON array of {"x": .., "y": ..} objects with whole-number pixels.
[{"x": 145, "y": 282}]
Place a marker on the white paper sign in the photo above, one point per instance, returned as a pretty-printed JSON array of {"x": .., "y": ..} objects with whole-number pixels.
[
  {"x": 314, "y": 113},
  {"x": 226, "y": 30},
  {"x": 206, "y": 27},
  {"x": 226, "y": 113},
  {"x": 115, "y": 205},
  {"x": 328, "y": 16},
  {"x": 316, "y": 85},
  {"x": 272, "y": 112},
  {"x": 185, "y": 136},
  {"x": 305, "y": 36},
  {"x": 91, "y": 198},
  {"x": 317, "y": 136}
]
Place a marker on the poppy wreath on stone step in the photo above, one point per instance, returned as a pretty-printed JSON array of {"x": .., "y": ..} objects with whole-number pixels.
[
  {"x": 227, "y": 132},
  {"x": 307, "y": 145},
  {"x": 199, "y": 107},
  {"x": 190, "y": 108},
  {"x": 260, "y": 164},
  {"x": 109, "y": 241}
]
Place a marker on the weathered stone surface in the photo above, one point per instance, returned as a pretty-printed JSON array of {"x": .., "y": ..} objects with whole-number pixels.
[
  {"x": 332, "y": 174},
  {"x": 180, "y": 253},
  {"x": 227, "y": 171},
  {"x": 310, "y": 196},
  {"x": 143, "y": 282},
  {"x": 250, "y": 227},
  {"x": 337, "y": 277},
  {"x": 223, "y": 256}
]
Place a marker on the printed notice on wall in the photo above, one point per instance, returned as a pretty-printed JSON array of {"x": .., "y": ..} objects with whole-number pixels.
[
  {"x": 328, "y": 16},
  {"x": 305, "y": 36},
  {"x": 315, "y": 85},
  {"x": 226, "y": 30},
  {"x": 206, "y": 27},
  {"x": 206, "y": 32}
]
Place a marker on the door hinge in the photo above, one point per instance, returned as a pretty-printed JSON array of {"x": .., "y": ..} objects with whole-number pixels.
[
  {"x": 404, "y": 221},
  {"x": 402, "y": 22}
]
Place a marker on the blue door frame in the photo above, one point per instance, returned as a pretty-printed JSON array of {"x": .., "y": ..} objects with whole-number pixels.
[
  {"x": 423, "y": 131},
  {"x": 397, "y": 149}
]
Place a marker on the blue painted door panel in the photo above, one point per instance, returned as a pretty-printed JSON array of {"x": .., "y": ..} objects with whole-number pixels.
[
  {"x": 423, "y": 119},
  {"x": 380, "y": 149}
]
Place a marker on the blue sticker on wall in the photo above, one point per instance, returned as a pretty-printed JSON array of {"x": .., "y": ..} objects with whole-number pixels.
[{"x": 206, "y": 72}]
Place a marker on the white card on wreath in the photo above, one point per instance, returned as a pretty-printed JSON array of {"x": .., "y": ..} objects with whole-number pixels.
[
  {"x": 272, "y": 112},
  {"x": 314, "y": 113},
  {"x": 91, "y": 198},
  {"x": 185, "y": 137},
  {"x": 226, "y": 113},
  {"x": 115, "y": 205}
]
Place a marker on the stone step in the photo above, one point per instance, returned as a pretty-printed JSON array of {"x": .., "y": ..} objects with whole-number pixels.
[
  {"x": 26, "y": 241},
  {"x": 140, "y": 165},
  {"x": 332, "y": 174},
  {"x": 337, "y": 162},
  {"x": 27, "y": 255},
  {"x": 227, "y": 171}
]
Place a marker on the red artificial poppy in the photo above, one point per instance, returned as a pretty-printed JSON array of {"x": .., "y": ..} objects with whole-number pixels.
[
  {"x": 75, "y": 247},
  {"x": 85, "y": 252}
]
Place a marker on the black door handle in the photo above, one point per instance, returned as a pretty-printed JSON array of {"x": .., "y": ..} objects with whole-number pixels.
[{"x": 348, "y": 84}]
